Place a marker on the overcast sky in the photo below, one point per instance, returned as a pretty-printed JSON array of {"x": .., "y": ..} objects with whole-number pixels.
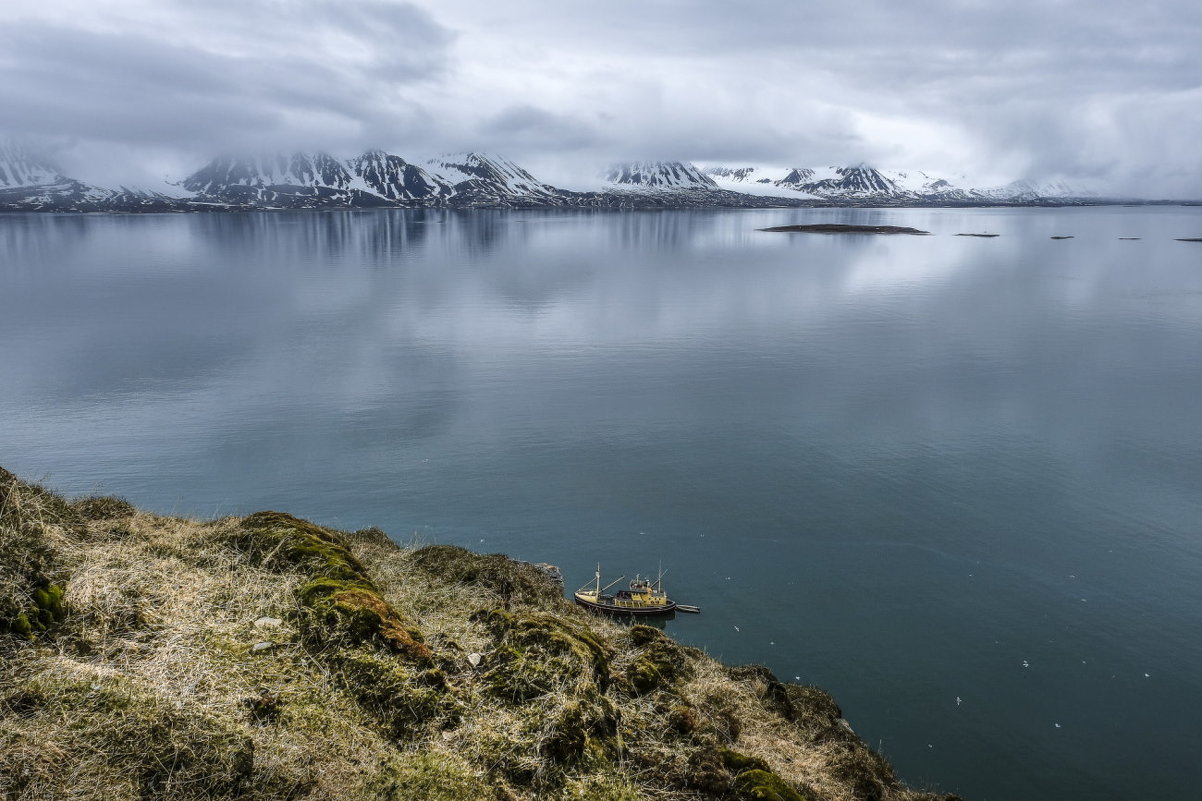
[{"x": 1097, "y": 92}]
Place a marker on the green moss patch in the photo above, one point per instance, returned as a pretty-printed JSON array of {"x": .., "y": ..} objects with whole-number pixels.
[
  {"x": 340, "y": 603},
  {"x": 512, "y": 581},
  {"x": 584, "y": 731},
  {"x": 554, "y": 634},
  {"x": 354, "y": 613},
  {"x": 540, "y": 653},
  {"x": 556, "y": 668},
  {"x": 31, "y": 519},
  {"x": 405, "y": 701},
  {"x": 737, "y": 763},
  {"x": 762, "y": 785},
  {"x": 430, "y": 777},
  {"x": 661, "y": 663},
  {"x": 35, "y": 614},
  {"x": 279, "y": 541}
]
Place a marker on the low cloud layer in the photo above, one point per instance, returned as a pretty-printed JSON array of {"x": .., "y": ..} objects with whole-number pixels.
[{"x": 126, "y": 90}]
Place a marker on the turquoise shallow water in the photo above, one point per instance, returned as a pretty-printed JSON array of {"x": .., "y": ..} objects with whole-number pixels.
[{"x": 956, "y": 481}]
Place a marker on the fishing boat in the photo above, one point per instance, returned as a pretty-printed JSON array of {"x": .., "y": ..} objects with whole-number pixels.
[{"x": 644, "y": 597}]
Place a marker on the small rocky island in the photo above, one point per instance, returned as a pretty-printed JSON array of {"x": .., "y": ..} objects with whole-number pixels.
[
  {"x": 840, "y": 228},
  {"x": 267, "y": 657}
]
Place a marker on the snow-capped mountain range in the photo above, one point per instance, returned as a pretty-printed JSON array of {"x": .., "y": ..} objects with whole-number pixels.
[
  {"x": 28, "y": 180},
  {"x": 862, "y": 182},
  {"x": 658, "y": 175},
  {"x": 465, "y": 180}
]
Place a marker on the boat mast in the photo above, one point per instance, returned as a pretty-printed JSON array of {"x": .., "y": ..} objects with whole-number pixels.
[{"x": 597, "y": 585}]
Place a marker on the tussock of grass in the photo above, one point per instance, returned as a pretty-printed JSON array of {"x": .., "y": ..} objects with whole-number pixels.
[
  {"x": 659, "y": 662},
  {"x": 511, "y": 582},
  {"x": 269, "y": 657},
  {"x": 103, "y": 508},
  {"x": 34, "y": 525}
]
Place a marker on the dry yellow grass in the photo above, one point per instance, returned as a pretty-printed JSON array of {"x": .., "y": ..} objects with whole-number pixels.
[{"x": 265, "y": 657}]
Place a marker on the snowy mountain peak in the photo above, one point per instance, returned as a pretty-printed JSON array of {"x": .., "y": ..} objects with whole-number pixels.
[
  {"x": 730, "y": 173},
  {"x": 20, "y": 167},
  {"x": 854, "y": 181},
  {"x": 394, "y": 178},
  {"x": 797, "y": 176},
  {"x": 484, "y": 178},
  {"x": 296, "y": 169},
  {"x": 659, "y": 175},
  {"x": 460, "y": 167}
]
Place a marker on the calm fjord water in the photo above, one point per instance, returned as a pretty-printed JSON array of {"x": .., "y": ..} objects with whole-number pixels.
[{"x": 956, "y": 481}]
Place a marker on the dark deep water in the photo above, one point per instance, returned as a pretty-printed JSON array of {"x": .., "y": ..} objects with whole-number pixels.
[{"x": 956, "y": 481}]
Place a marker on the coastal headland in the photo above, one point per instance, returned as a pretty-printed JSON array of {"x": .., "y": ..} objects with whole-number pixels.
[{"x": 145, "y": 656}]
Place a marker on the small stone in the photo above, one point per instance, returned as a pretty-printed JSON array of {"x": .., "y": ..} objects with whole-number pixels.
[
  {"x": 474, "y": 659},
  {"x": 261, "y": 646},
  {"x": 268, "y": 623}
]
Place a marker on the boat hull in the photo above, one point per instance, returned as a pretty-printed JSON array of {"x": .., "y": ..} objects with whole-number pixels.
[{"x": 628, "y": 611}]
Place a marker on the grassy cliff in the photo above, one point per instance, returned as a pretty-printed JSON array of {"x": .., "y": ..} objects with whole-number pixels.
[{"x": 146, "y": 657}]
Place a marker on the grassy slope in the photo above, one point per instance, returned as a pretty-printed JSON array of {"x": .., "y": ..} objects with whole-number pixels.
[{"x": 266, "y": 657}]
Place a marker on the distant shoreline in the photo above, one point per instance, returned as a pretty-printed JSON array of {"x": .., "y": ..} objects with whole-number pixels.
[{"x": 624, "y": 203}]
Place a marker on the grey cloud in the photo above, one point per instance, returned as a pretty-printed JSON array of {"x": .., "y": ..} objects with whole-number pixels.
[
  {"x": 1049, "y": 85},
  {"x": 1067, "y": 87},
  {"x": 109, "y": 89},
  {"x": 237, "y": 75},
  {"x": 525, "y": 126}
]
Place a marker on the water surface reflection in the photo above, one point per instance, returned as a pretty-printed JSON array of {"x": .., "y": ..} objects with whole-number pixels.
[{"x": 949, "y": 454}]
